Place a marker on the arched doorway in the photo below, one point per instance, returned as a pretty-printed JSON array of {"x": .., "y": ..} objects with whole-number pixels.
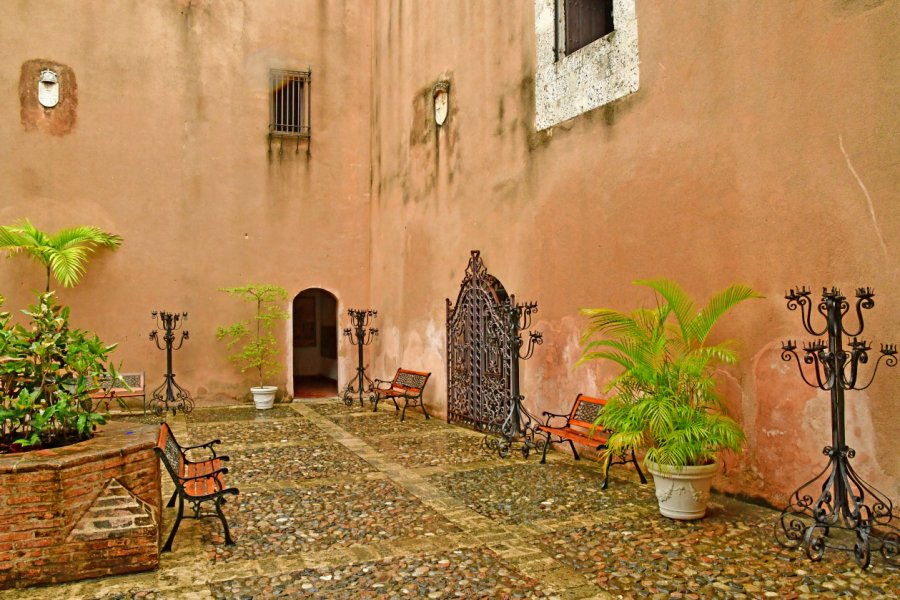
[{"x": 315, "y": 344}]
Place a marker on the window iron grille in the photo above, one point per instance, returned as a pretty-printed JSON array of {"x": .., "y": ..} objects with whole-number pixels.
[{"x": 289, "y": 103}]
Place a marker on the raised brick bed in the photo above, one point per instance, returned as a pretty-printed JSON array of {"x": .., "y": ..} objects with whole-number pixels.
[{"x": 86, "y": 510}]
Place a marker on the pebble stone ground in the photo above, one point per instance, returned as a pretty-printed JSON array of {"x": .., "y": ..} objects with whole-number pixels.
[{"x": 340, "y": 502}]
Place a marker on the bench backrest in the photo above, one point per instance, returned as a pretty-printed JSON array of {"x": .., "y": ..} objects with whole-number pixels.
[
  {"x": 125, "y": 383},
  {"x": 414, "y": 381},
  {"x": 170, "y": 452},
  {"x": 586, "y": 410}
]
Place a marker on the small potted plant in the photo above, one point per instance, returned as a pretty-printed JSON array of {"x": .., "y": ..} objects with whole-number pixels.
[
  {"x": 256, "y": 348},
  {"x": 664, "y": 400}
]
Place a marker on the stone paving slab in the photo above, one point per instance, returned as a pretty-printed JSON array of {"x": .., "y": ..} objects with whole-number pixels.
[
  {"x": 524, "y": 492},
  {"x": 729, "y": 554},
  {"x": 272, "y": 432},
  {"x": 367, "y": 425},
  {"x": 289, "y": 464},
  {"x": 464, "y": 573},
  {"x": 240, "y": 413},
  {"x": 336, "y": 407},
  {"x": 293, "y": 520},
  {"x": 436, "y": 449}
]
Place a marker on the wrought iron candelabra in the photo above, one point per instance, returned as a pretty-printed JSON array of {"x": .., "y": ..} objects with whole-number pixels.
[
  {"x": 169, "y": 395},
  {"x": 848, "y": 514},
  {"x": 359, "y": 336},
  {"x": 520, "y": 426}
]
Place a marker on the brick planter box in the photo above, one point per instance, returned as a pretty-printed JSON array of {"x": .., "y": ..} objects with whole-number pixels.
[{"x": 86, "y": 510}]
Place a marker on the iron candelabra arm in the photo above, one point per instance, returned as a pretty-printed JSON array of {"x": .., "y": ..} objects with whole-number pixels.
[
  {"x": 800, "y": 298},
  {"x": 864, "y": 301},
  {"x": 535, "y": 338},
  {"x": 789, "y": 352},
  {"x": 524, "y": 314},
  {"x": 888, "y": 357},
  {"x": 154, "y": 337},
  {"x": 184, "y": 335}
]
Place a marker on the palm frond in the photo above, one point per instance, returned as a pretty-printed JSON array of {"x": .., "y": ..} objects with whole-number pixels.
[
  {"x": 676, "y": 299},
  {"x": 718, "y": 305}
]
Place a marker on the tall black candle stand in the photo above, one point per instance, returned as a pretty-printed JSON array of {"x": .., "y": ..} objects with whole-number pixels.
[
  {"x": 359, "y": 336},
  {"x": 520, "y": 426},
  {"x": 169, "y": 395},
  {"x": 848, "y": 514}
]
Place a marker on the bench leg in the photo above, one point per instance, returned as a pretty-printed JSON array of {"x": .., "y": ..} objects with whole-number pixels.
[
  {"x": 168, "y": 545},
  {"x": 422, "y": 404},
  {"x": 638, "y": 467},
  {"x": 172, "y": 499},
  {"x": 606, "y": 473},
  {"x": 405, "y": 404},
  {"x": 374, "y": 400},
  {"x": 574, "y": 451},
  {"x": 546, "y": 445},
  {"x": 219, "y": 501}
]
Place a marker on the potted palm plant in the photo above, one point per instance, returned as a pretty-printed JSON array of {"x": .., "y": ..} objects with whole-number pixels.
[
  {"x": 257, "y": 349},
  {"x": 664, "y": 400}
]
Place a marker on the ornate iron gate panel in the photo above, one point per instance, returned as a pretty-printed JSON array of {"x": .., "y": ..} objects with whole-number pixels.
[{"x": 483, "y": 352}]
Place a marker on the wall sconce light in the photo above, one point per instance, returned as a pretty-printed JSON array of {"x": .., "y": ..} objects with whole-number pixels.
[
  {"x": 48, "y": 88},
  {"x": 441, "y": 94}
]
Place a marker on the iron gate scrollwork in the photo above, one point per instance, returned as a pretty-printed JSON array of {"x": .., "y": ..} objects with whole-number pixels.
[{"x": 484, "y": 346}]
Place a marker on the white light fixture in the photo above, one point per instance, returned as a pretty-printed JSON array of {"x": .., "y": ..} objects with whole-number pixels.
[
  {"x": 441, "y": 94},
  {"x": 48, "y": 88}
]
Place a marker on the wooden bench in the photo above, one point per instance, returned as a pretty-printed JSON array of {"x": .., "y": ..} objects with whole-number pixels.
[
  {"x": 577, "y": 429},
  {"x": 195, "y": 481},
  {"x": 126, "y": 385},
  {"x": 406, "y": 385}
]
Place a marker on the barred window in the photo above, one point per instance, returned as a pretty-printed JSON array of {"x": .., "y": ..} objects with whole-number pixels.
[{"x": 289, "y": 106}]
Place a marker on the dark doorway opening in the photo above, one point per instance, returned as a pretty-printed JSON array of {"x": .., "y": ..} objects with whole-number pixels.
[{"x": 315, "y": 336}]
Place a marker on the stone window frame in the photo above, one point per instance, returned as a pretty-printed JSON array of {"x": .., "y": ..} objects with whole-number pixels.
[{"x": 597, "y": 74}]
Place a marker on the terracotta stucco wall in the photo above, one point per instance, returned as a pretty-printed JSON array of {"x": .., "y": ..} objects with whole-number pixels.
[
  {"x": 167, "y": 146},
  {"x": 760, "y": 148}
]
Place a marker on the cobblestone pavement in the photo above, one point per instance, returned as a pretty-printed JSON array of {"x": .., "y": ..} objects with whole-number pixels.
[{"x": 340, "y": 502}]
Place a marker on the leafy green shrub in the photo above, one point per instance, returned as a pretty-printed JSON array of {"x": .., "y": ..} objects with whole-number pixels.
[
  {"x": 256, "y": 350},
  {"x": 47, "y": 373}
]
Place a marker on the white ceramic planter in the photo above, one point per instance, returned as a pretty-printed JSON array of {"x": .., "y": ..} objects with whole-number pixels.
[
  {"x": 264, "y": 397},
  {"x": 682, "y": 493}
]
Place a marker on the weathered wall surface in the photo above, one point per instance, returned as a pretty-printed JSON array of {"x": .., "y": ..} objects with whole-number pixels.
[
  {"x": 167, "y": 146},
  {"x": 760, "y": 148}
]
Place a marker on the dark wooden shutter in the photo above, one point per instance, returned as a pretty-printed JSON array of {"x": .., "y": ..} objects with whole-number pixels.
[{"x": 586, "y": 21}]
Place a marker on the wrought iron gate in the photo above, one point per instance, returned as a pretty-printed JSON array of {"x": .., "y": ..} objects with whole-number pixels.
[{"x": 483, "y": 353}]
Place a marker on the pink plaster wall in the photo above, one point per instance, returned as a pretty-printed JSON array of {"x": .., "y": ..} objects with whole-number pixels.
[
  {"x": 169, "y": 149},
  {"x": 760, "y": 148}
]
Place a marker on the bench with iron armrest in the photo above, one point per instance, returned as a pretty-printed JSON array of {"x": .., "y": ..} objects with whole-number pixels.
[
  {"x": 126, "y": 385},
  {"x": 196, "y": 481},
  {"x": 407, "y": 386},
  {"x": 577, "y": 428}
]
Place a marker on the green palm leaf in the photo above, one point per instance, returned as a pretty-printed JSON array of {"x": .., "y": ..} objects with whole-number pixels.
[{"x": 63, "y": 254}]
